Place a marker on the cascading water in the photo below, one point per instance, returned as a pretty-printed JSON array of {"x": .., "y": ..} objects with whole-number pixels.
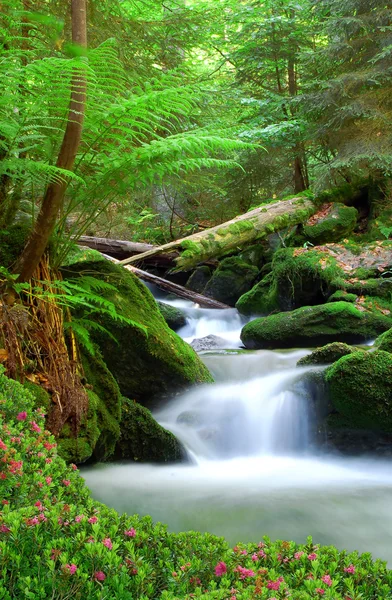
[{"x": 255, "y": 471}]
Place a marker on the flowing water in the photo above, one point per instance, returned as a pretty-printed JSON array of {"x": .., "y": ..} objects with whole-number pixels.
[{"x": 254, "y": 465}]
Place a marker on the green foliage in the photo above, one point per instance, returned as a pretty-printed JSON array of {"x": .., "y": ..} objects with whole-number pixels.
[{"x": 56, "y": 541}]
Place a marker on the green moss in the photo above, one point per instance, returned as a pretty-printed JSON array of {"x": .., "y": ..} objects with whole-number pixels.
[
  {"x": 339, "y": 223},
  {"x": 384, "y": 341},
  {"x": 231, "y": 279},
  {"x": 143, "y": 439},
  {"x": 262, "y": 299},
  {"x": 173, "y": 316},
  {"x": 144, "y": 366},
  {"x": 342, "y": 296},
  {"x": 314, "y": 325},
  {"x": 41, "y": 396},
  {"x": 360, "y": 389},
  {"x": 12, "y": 242},
  {"x": 326, "y": 355}
]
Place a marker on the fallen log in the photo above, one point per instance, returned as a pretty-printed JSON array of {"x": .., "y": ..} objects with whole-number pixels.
[
  {"x": 123, "y": 249},
  {"x": 234, "y": 234},
  {"x": 169, "y": 286}
]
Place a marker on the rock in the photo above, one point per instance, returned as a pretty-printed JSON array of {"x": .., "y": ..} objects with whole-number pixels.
[
  {"x": 342, "y": 296},
  {"x": 333, "y": 222},
  {"x": 173, "y": 316},
  {"x": 253, "y": 255},
  {"x": 261, "y": 299},
  {"x": 309, "y": 276},
  {"x": 148, "y": 360},
  {"x": 231, "y": 279},
  {"x": 360, "y": 388},
  {"x": 199, "y": 279},
  {"x": 384, "y": 341},
  {"x": 142, "y": 439},
  {"x": 209, "y": 342},
  {"x": 326, "y": 354},
  {"x": 313, "y": 326}
]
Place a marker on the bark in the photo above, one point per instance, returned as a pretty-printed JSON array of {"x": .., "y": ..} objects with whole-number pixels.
[
  {"x": 234, "y": 234},
  {"x": 54, "y": 195},
  {"x": 169, "y": 286},
  {"x": 122, "y": 249}
]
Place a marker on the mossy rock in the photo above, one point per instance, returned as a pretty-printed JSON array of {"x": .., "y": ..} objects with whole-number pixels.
[
  {"x": 360, "y": 388},
  {"x": 253, "y": 255},
  {"x": 12, "y": 242},
  {"x": 142, "y": 439},
  {"x": 173, "y": 316},
  {"x": 326, "y": 354},
  {"x": 384, "y": 341},
  {"x": 342, "y": 296},
  {"x": 262, "y": 299},
  {"x": 231, "y": 280},
  {"x": 314, "y": 326},
  {"x": 199, "y": 279},
  {"x": 336, "y": 222},
  {"x": 148, "y": 360},
  {"x": 42, "y": 397}
]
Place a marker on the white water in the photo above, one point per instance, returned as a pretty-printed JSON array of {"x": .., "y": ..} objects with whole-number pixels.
[{"x": 255, "y": 470}]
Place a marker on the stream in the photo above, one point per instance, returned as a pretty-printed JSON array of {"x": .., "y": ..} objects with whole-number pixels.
[{"x": 255, "y": 466}]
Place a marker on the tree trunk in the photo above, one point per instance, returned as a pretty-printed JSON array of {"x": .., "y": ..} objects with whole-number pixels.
[
  {"x": 235, "y": 234},
  {"x": 169, "y": 286},
  {"x": 54, "y": 196},
  {"x": 122, "y": 249}
]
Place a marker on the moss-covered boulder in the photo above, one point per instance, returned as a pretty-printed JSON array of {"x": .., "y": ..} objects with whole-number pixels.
[
  {"x": 142, "y": 439},
  {"x": 173, "y": 316},
  {"x": 326, "y": 354},
  {"x": 384, "y": 341},
  {"x": 309, "y": 276},
  {"x": 333, "y": 222},
  {"x": 261, "y": 299},
  {"x": 360, "y": 388},
  {"x": 231, "y": 279},
  {"x": 199, "y": 279},
  {"x": 147, "y": 359},
  {"x": 314, "y": 326},
  {"x": 342, "y": 296}
]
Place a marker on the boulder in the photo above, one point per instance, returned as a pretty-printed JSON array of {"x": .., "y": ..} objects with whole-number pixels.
[
  {"x": 342, "y": 296},
  {"x": 384, "y": 341},
  {"x": 148, "y": 360},
  {"x": 199, "y": 279},
  {"x": 314, "y": 326},
  {"x": 142, "y": 439},
  {"x": 231, "y": 279},
  {"x": 333, "y": 222},
  {"x": 262, "y": 299},
  {"x": 209, "y": 342},
  {"x": 173, "y": 316},
  {"x": 326, "y": 354},
  {"x": 360, "y": 389}
]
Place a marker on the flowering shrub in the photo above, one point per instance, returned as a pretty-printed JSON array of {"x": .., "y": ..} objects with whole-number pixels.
[{"x": 56, "y": 542}]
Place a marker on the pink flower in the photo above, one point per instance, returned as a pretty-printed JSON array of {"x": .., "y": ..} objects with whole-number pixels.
[
  {"x": 2, "y": 445},
  {"x": 74, "y": 467},
  {"x": 66, "y": 482},
  {"x": 39, "y": 504},
  {"x": 33, "y": 521},
  {"x": 255, "y": 557},
  {"x": 320, "y": 591},
  {"x": 42, "y": 517},
  {"x": 298, "y": 555},
  {"x": 71, "y": 568},
  {"x": 312, "y": 556},
  {"x": 35, "y": 427},
  {"x": 220, "y": 569},
  {"x": 174, "y": 574},
  {"x": 327, "y": 580},
  {"x": 79, "y": 518},
  {"x": 40, "y": 484},
  {"x": 275, "y": 585},
  {"x": 244, "y": 552},
  {"x": 4, "y": 529},
  {"x": 108, "y": 543},
  {"x": 93, "y": 520},
  {"x": 99, "y": 576},
  {"x": 244, "y": 572},
  {"x": 262, "y": 554},
  {"x": 22, "y": 416},
  {"x": 350, "y": 569},
  {"x": 48, "y": 461},
  {"x": 131, "y": 532},
  {"x": 48, "y": 480}
]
